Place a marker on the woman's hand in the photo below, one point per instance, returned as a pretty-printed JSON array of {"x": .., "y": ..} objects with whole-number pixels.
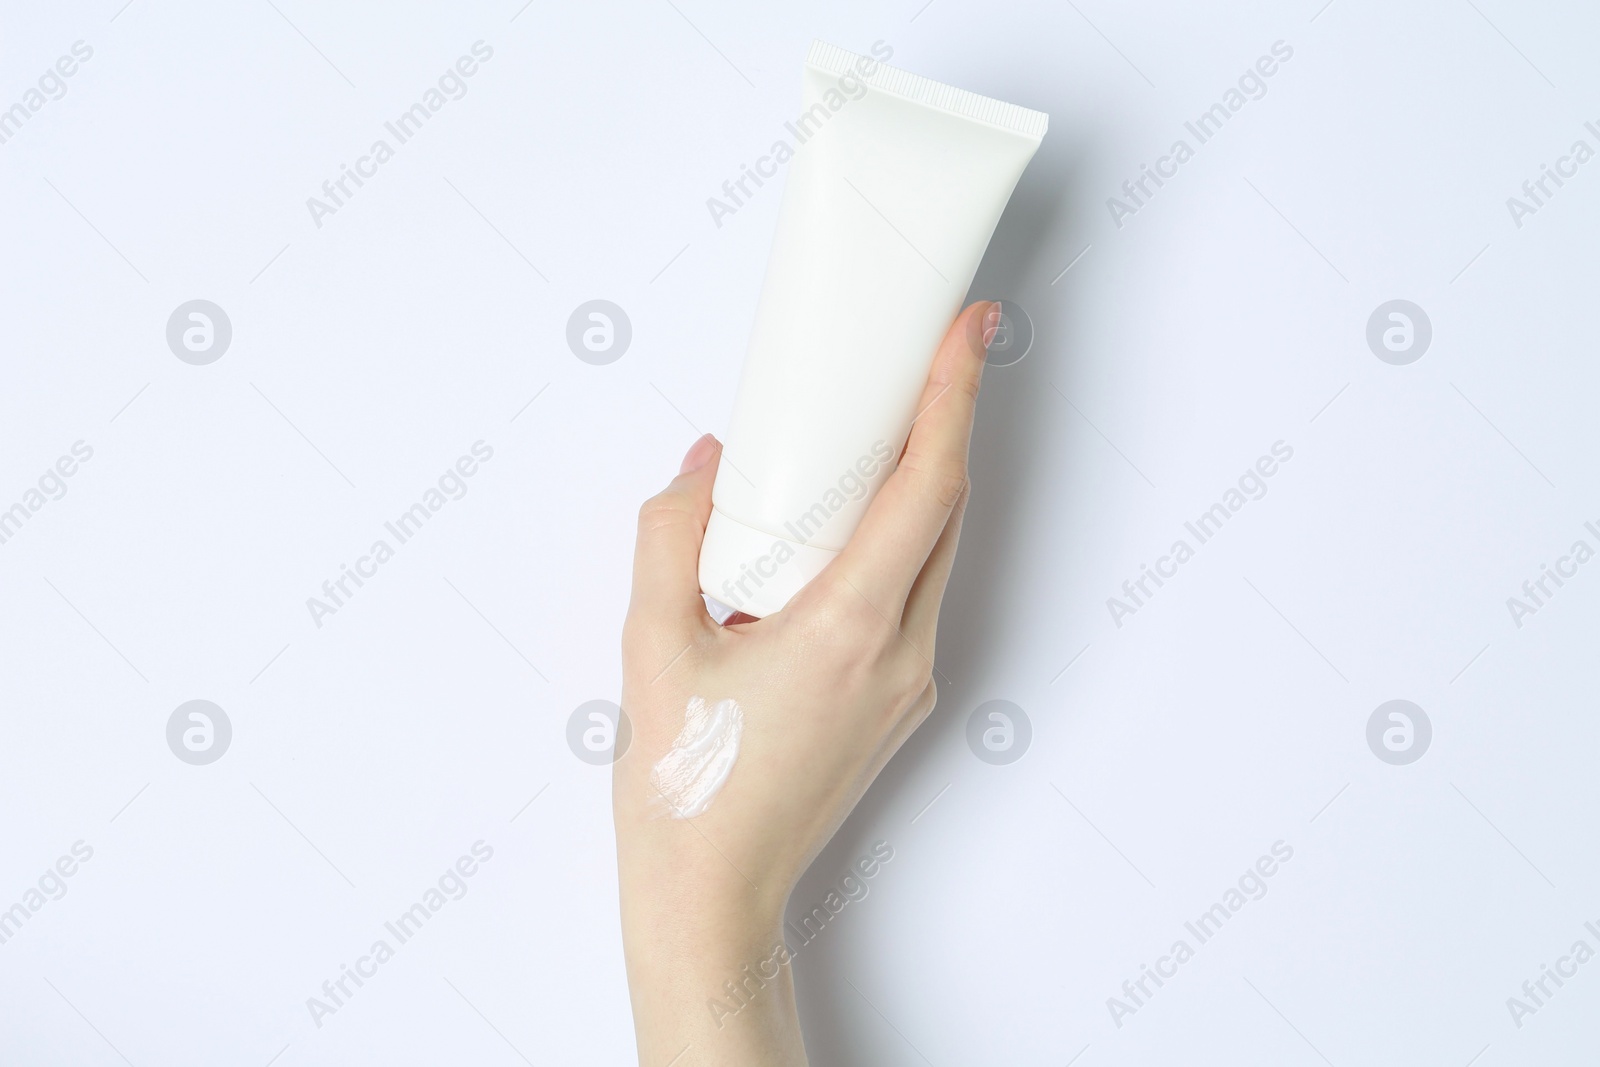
[{"x": 822, "y": 694}]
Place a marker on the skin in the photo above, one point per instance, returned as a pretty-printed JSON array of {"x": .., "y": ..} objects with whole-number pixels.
[{"x": 831, "y": 687}]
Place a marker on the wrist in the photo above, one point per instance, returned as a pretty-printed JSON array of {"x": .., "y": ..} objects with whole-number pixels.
[
  {"x": 695, "y": 928},
  {"x": 711, "y": 973},
  {"x": 680, "y": 881}
]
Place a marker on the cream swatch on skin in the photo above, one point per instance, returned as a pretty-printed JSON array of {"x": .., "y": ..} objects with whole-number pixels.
[{"x": 693, "y": 771}]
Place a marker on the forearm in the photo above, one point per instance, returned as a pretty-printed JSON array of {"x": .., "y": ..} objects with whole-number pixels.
[{"x": 711, "y": 983}]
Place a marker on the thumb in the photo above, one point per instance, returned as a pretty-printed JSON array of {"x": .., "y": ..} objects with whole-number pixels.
[{"x": 666, "y": 557}]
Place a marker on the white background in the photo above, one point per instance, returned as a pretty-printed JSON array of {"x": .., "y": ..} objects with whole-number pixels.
[{"x": 368, "y": 354}]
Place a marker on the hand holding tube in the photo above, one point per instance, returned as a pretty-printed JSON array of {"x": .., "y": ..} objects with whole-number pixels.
[{"x": 753, "y": 741}]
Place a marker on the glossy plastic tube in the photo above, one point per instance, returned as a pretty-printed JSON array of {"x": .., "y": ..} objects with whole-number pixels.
[{"x": 895, "y": 188}]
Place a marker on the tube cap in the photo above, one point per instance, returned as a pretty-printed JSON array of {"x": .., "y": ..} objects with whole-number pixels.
[{"x": 753, "y": 571}]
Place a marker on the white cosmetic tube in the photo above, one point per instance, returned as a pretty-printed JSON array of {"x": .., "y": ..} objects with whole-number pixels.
[{"x": 895, "y": 188}]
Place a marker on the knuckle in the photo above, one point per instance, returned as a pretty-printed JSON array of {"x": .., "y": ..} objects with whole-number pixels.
[
  {"x": 908, "y": 676},
  {"x": 649, "y": 650},
  {"x": 636, "y": 637},
  {"x": 841, "y": 618},
  {"x": 945, "y": 479},
  {"x": 960, "y": 387},
  {"x": 947, "y": 484},
  {"x": 966, "y": 386},
  {"x": 638, "y": 641},
  {"x": 841, "y": 628},
  {"x": 949, "y": 490},
  {"x": 843, "y": 632},
  {"x": 666, "y": 508}
]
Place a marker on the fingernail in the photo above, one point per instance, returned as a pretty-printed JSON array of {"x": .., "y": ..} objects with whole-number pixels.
[
  {"x": 699, "y": 454},
  {"x": 991, "y": 324}
]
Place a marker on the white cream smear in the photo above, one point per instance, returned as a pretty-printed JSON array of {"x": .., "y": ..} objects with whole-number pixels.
[{"x": 694, "y": 770}]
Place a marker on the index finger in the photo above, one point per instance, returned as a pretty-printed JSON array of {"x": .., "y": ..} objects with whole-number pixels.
[{"x": 890, "y": 547}]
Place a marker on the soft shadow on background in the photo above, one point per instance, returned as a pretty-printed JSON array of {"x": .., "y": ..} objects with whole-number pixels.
[{"x": 1042, "y": 229}]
